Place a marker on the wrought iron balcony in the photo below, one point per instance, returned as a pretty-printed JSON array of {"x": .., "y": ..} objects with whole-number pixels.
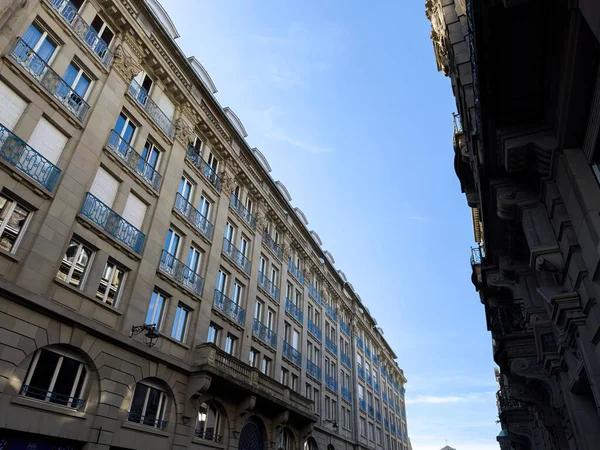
[
  {"x": 330, "y": 310},
  {"x": 360, "y": 343},
  {"x": 371, "y": 410},
  {"x": 368, "y": 352},
  {"x": 362, "y": 404},
  {"x": 397, "y": 408},
  {"x": 346, "y": 394},
  {"x": 200, "y": 222},
  {"x": 385, "y": 397},
  {"x": 386, "y": 423},
  {"x": 393, "y": 428},
  {"x": 345, "y": 359},
  {"x": 376, "y": 387},
  {"x": 268, "y": 286},
  {"x": 232, "y": 252},
  {"x": 369, "y": 380},
  {"x": 68, "y": 12},
  {"x": 295, "y": 271},
  {"x": 208, "y": 172},
  {"x": 133, "y": 160},
  {"x": 152, "y": 109},
  {"x": 313, "y": 370},
  {"x": 264, "y": 333},
  {"x": 507, "y": 403},
  {"x": 375, "y": 360},
  {"x": 291, "y": 354},
  {"x": 477, "y": 255},
  {"x": 345, "y": 328},
  {"x": 181, "y": 273},
  {"x": 314, "y": 293},
  {"x": 18, "y": 154},
  {"x": 390, "y": 379},
  {"x": 272, "y": 245},
  {"x": 378, "y": 416},
  {"x": 314, "y": 329},
  {"x": 331, "y": 383},
  {"x": 391, "y": 402},
  {"x": 361, "y": 372},
  {"x": 396, "y": 386},
  {"x": 293, "y": 310},
  {"x": 229, "y": 307},
  {"x": 331, "y": 345},
  {"x": 52, "y": 82},
  {"x": 52, "y": 397},
  {"x": 243, "y": 212},
  {"x": 112, "y": 223},
  {"x": 143, "y": 420}
]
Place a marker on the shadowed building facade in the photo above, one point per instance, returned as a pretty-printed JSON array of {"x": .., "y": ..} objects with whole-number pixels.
[
  {"x": 526, "y": 79},
  {"x": 158, "y": 290}
]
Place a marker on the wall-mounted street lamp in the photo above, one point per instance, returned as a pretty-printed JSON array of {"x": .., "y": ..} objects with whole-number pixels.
[
  {"x": 151, "y": 333},
  {"x": 333, "y": 423}
]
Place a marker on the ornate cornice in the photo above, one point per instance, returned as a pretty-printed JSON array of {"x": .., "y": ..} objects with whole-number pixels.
[{"x": 126, "y": 63}]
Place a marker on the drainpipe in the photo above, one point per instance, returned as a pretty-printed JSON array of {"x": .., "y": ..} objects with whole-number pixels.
[{"x": 9, "y": 16}]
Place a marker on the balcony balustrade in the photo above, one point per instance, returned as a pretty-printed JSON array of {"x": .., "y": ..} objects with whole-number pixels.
[
  {"x": 360, "y": 343},
  {"x": 507, "y": 403},
  {"x": 371, "y": 410},
  {"x": 391, "y": 402},
  {"x": 272, "y": 245},
  {"x": 268, "y": 286},
  {"x": 315, "y": 294},
  {"x": 314, "y": 329},
  {"x": 296, "y": 272},
  {"x": 51, "y": 397},
  {"x": 330, "y": 310},
  {"x": 181, "y": 273},
  {"x": 208, "y": 435},
  {"x": 331, "y": 346},
  {"x": 369, "y": 380},
  {"x": 291, "y": 354},
  {"x": 361, "y": 372},
  {"x": 68, "y": 12},
  {"x": 386, "y": 423},
  {"x": 362, "y": 404},
  {"x": 229, "y": 307},
  {"x": 112, "y": 223},
  {"x": 264, "y": 333},
  {"x": 393, "y": 428},
  {"x": 477, "y": 255},
  {"x": 331, "y": 383},
  {"x": 313, "y": 370},
  {"x": 293, "y": 310},
  {"x": 146, "y": 420},
  {"x": 243, "y": 212},
  {"x": 52, "y": 82},
  {"x": 375, "y": 360},
  {"x": 346, "y": 394},
  {"x": 23, "y": 157},
  {"x": 236, "y": 256},
  {"x": 378, "y": 416},
  {"x": 376, "y": 387},
  {"x": 345, "y": 328},
  {"x": 385, "y": 397},
  {"x": 203, "y": 167},
  {"x": 345, "y": 359},
  {"x": 200, "y": 222},
  {"x": 368, "y": 352},
  {"x": 152, "y": 109},
  {"x": 134, "y": 160}
]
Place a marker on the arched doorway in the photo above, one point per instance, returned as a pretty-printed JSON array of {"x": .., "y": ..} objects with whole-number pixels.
[{"x": 251, "y": 437}]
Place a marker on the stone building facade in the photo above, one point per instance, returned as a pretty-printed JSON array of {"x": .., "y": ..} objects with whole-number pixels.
[
  {"x": 158, "y": 290},
  {"x": 526, "y": 78}
]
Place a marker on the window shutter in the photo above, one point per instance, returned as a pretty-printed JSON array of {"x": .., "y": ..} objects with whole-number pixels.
[
  {"x": 135, "y": 211},
  {"x": 12, "y": 106},
  {"x": 47, "y": 140},
  {"x": 166, "y": 105},
  {"x": 105, "y": 187}
]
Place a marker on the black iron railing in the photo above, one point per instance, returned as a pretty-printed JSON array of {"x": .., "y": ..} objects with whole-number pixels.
[
  {"x": 194, "y": 216},
  {"x": 158, "y": 116}
]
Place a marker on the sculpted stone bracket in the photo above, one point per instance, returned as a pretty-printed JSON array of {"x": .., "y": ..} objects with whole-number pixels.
[
  {"x": 246, "y": 405},
  {"x": 529, "y": 368},
  {"x": 126, "y": 63},
  {"x": 532, "y": 150},
  {"x": 281, "y": 418},
  {"x": 567, "y": 314},
  {"x": 197, "y": 385}
]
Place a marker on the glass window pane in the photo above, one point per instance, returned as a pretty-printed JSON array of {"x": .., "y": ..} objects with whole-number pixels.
[
  {"x": 42, "y": 375},
  {"x": 137, "y": 403},
  {"x": 65, "y": 381}
]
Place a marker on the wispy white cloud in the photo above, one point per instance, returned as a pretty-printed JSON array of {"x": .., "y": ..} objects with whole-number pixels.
[
  {"x": 420, "y": 218},
  {"x": 461, "y": 398},
  {"x": 277, "y": 133}
]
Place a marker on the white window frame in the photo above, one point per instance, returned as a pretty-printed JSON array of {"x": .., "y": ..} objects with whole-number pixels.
[
  {"x": 181, "y": 326},
  {"x": 115, "y": 267},
  {"x": 7, "y": 216},
  {"x": 78, "y": 253},
  {"x": 161, "y": 311},
  {"x": 81, "y": 72},
  {"x": 160, "y": 417}
]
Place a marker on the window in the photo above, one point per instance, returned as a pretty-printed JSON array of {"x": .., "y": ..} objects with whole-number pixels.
[
  {"x": 111, "y": 284},
  {"x": 194, "y": 262},
  {"x": 213, "y": 333},
  {"x": 230, "y": 344},
  {"x": 149, "y": 162},
  {"x": 221, "y": 281},
  {"x": 135, "y": 210},
  {"x": 185, "y": 188},
  {"x": 266, "y": 365},
  {"x": 13, "y": 106},
  {"x": 317, "y": 400},
  {"x": 244, "y": 246},
  {"x": 124, "y": 132},
  {"x": 75, "y": 264},
  {"x": 363, "y": 427},
  {"x": 284, "y": 376},
  {"x": 204, "y": 207},
  {"x": 361, "y": 392},
  {"x": 371, "y": 432},
  {"x": 180, "y": 324},
  {"x": 262, "y": 265},
  {"x": 309, "y": 392},
  {"x": 44, "y": 46},
  {"x": 298, "y": 299},
  {"x": 148, "y": 405},
  {"x": 48, "y": 140},
  {"x": 253, "y": 357},
  {"x": 258, "y": 307},
  {"x": 229, "y": 232},
  {"x": 103, "y": 36},
  {"x": 145, "y": 85},
  {"x": 327, "y": 407},
  {"x": 76, "y": 79},
  {"x": 378, "y": 435},
  {"x": 295, "y": 382},
  {"x": 156, "y": 309},
  {"x": 213, "y": 162},
  {"x": 271, "y": 319},
  {"x": 56, "y": 376},
  {"x": 274, "y": 276},
  {"x": 209, "y": 423},
  {"x": 14, "y": 219},
  {"x": 236, "y": 295}
]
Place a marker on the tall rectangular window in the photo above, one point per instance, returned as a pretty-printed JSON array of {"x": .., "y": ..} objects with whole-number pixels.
[
  {"x": 111, "y": 284},
  {"x": 75, "y": 264},
  {"x": 254, "y": 357},
  {"x": 14, "y": 219},
  {"x": 213, "y": 334},
  {"x": 266, "y": 365},
  {"x": 230, "y": 344},
  {"x": 156, "y": 309},
  {"x": 180, "y": 323}
]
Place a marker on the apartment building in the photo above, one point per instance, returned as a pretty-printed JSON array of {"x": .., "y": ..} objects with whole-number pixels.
[{"x": 158, "y": 289}]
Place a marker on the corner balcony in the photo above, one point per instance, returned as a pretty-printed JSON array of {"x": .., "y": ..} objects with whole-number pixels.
[
  {"x": 270, "y": 243},
  {"x": 268, "y": 286},
  {"x": 112, "y": 223},
  {"x": 181, "y": 273},
  {"x": 314, "y": 329},
  {"x": 361, "y": 372},
  {"x": 295, "y": 271},
  {"x": 346, "y": 394},
  {"x": 331, "y": 383},
  {"x": 315, "y": 294},
  {"x": 331, "y": 346},
  {"x": 360, "y": 343},
  {"x": 264, "y": 333},
  {"x": 220, "y": 372},
  {"x": 208, "y": 172},
  {"x": 49, "y": 80},
  {"x": 161, "y": 120},
  {"x": 194, "y": 216},
  {"x": 330, "y": 310},
  {"x": 242, "y": 211},
  {"x": 16, "y": 153},
  {"x": 293, "y": 310},
  {"x": 134, "y": 160},
  {"x": 313, "y": 370},
  {"x": 232, "y": 252},
  {"x": 345, "y": 359},
  {"x": 229, "y": 308},
  {"x": 345, "y": 328},
  {"x": 96, "y": 44},
  {"x": 291, "y": 354}
]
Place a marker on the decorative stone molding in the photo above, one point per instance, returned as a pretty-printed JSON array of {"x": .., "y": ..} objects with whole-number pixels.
[
  {"x": 261, "y": 221},
  {"x": 530, "y": 368},
  {"x": 184, "y": 132},
  {"x": 228, "y": 183},
  {"x": 567, "y": 314},
  {"x": 126, "y": 64},
  {"x": 246, "y": 405}
]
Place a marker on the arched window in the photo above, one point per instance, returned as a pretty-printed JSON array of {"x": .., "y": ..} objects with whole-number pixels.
[
  {"x": 311, "y": 444},
  {"x": 209, "y": 423},
  {"x": 149, "y": 404},
  {"x": 285, "y": 440},
  {"x": 56, "y": 375}
]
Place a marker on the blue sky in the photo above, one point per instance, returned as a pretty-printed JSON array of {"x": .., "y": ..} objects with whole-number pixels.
[{"x": 345, "y": 101}]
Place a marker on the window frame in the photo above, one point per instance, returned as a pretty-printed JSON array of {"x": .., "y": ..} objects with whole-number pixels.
[
  {"x": 119, "y": 292},
  {"x": 9, "y": 212},
  {"x": 86, "y": 269},
  {"x": 181, "y": 322}
]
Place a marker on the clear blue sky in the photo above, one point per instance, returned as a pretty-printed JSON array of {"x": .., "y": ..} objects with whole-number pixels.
[{"x": 345, "y": 101}]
